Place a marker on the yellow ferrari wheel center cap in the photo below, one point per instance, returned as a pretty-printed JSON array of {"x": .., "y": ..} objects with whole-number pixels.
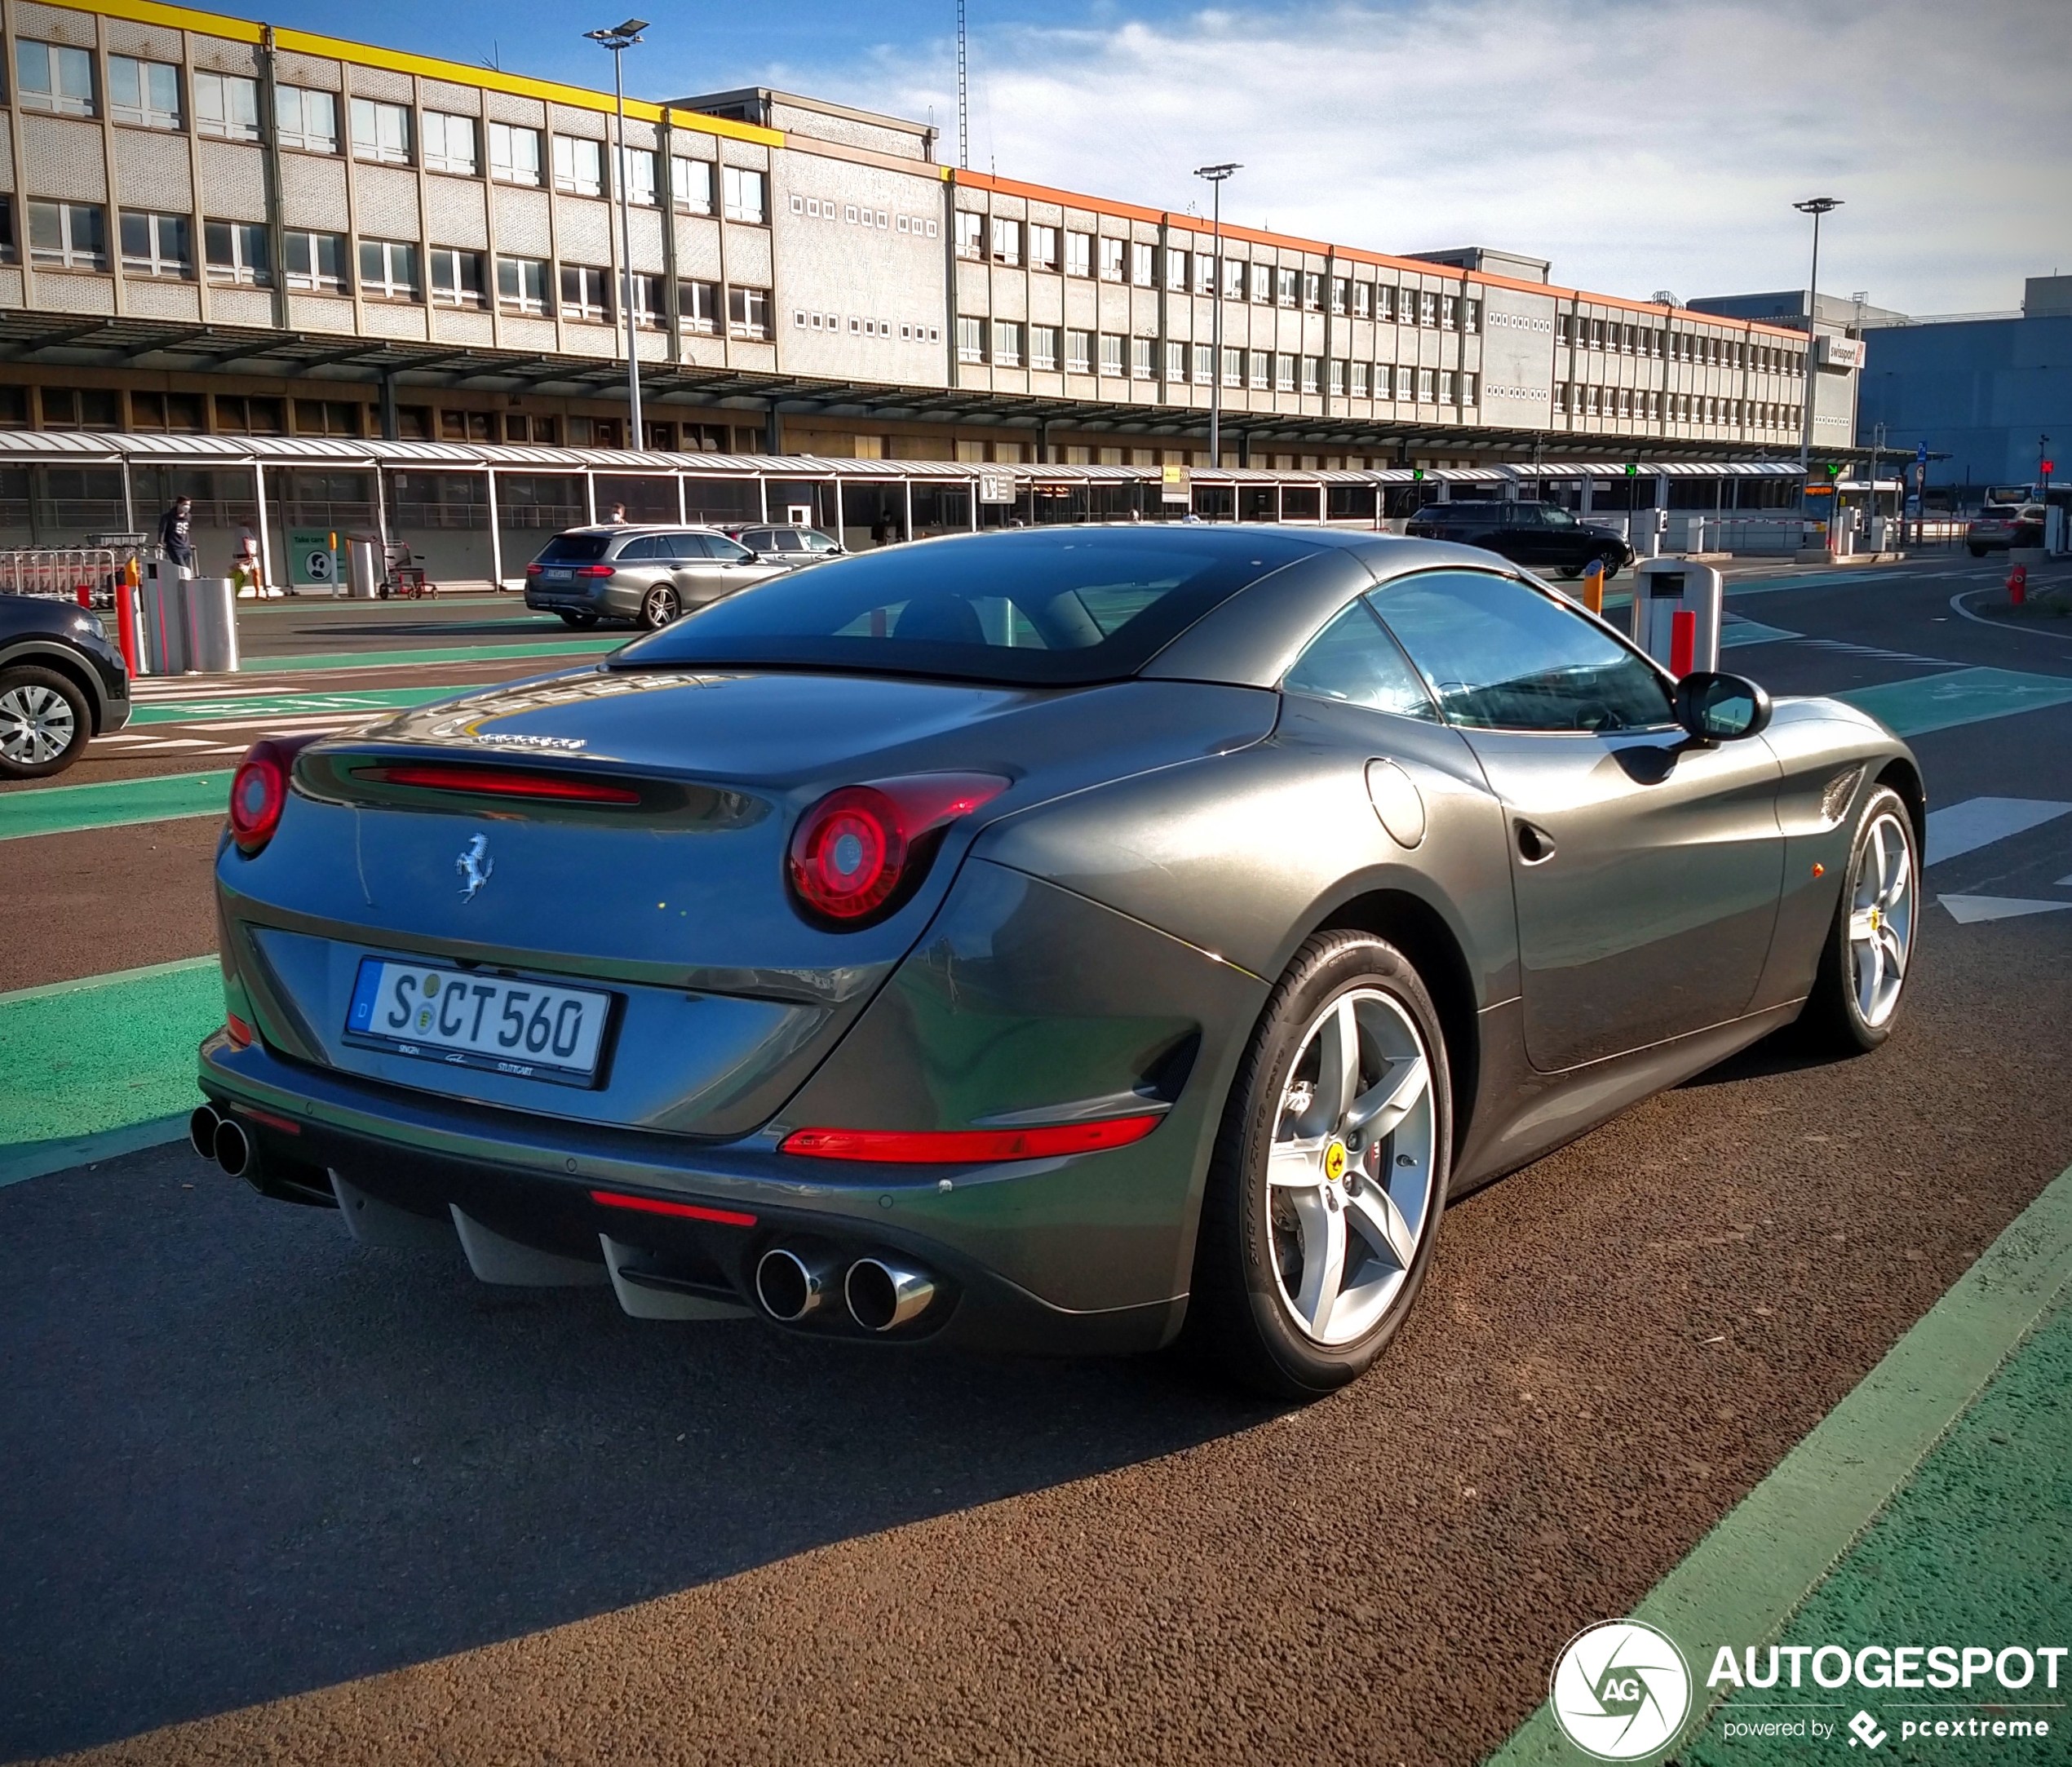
[{"x": 1334, "y": 1161}]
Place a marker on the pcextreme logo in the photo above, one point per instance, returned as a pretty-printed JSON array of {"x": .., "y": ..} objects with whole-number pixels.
[{"x": 1620, "y": 1690}]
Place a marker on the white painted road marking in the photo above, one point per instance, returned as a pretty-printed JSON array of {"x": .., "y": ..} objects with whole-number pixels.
[
  {"x": 1980, "y": 821},
  {"x": 1967, "y": 909}
]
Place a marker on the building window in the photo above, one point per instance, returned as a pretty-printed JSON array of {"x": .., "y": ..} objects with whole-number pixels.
[
  {"x": 157, "y": 244},
  {"x": 1312, "y": 290},
  {"x": 1335, "y": 377},
  {"x": 315, "y": 261},
  {"x": 1143, "y": 265},
  {"x": 1175, "y": 360},
  {"x": 1284, "y": 374},
  {"x": 586, "y": 290},
  {"x": 1043, "y": 248},
  {"x": 305, "y": 119},
  {"x": 1261, "y": 370},
  {"x": 1006, "y": 241},
  {"x": 646, "y": 295},
  {"x": 521, "y": 285},
  {"x": 513, "y": 154},
  {"x": 697, "y": 306},
  {"x": 970, "y": 339},
  {"x": 7, "y": 245},
  {"x": 1144, "y": 358},
  {"x": 1111, "y": 355},
  {"x": 1424, "y": 386},
  {"x": 1445, "y": 386},
  {"x": 1111, "y": 260},
  {"x": 449, "y": 144},
  {"x": 388, "y": 270},
  {"x": 1312, "y": 374},
  {"x": 381, "y": 132},
  {"x": 748, "y": 311},
  {"x": 1450, "y": 312},
  {"x": 1176, "y": 270},
  {"x": 744, "y": 194},
  {"x": 464, "y": 426},
  {"x": 1006, "y": 343},
  {"x": 1042, "y": 348},
  {"x": 1204, "y": 365},
  {"x": 81, "y": 408},
  {"x": 226, "y": 105},
  {"x": 690, "y": 184},
  {"x": 1284, "y": 287},
  {"x": 971, "y": 234},
  {"x": 640, "y": 178},
  {"x": 1078, "y": 254},
  {"x": 1428, "y": 309},
  {"x": 169, "y": 414},
  {"x": 1233, "y": 368},
  {"x": 67, "y": 236},
  {"x": 1385, "y": 303},
  {"x": 1474, "y": 312},
  {"x": 1080, "y": 350},
  {"x": 327, "y": 417},
  {"x": 1468, "y": 385},
  {"x": 456, "y": 277},
  {"x": 237, "y": 416},
  {"x": 50, "y": 76},
  {"x": 1359, "y": 380},
  {"x": 578, "y": 166},
  {"x": 1204, "y": 273},
  {"x": 1363, "y": 300}
]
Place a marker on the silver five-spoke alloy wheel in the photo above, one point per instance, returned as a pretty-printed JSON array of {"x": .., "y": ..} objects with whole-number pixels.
[
  {"x": 1350, "y": 1168},
  {"x": 1881, "y": 917},
  {"x": 659, "y": 607},
  {"x": 37, "y": 724}
]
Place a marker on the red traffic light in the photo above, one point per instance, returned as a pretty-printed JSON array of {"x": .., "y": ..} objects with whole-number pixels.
[{"x": 2049, "y": 467}]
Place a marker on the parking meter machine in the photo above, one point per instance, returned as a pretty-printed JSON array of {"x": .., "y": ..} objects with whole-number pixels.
[{"x": 1676, "y": 613}]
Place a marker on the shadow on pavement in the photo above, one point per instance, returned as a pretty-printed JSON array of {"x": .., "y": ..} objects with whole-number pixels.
[{"x": 240, "y": 1457}]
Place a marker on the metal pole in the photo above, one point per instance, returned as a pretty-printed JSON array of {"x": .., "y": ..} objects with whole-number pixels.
[
  {"x": 1816, "y": 206},
  {"x": 1215, "y": 175},
  {"x": 640, "y": 435}
]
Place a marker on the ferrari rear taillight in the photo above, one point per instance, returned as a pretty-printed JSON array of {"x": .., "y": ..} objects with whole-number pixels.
[
  {"x": 860, "y": 850},
  {"x": 495, "y": 781},
  {"x": 258, "y": 791}
]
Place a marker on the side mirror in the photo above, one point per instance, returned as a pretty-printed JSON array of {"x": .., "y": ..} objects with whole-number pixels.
[{"x": 1720, "y": 708}]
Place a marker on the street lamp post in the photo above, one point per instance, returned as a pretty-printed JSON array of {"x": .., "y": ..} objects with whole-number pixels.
[
  {"x": 618, "y": 39},
  {"x": 1215, "y": 175},
  {"x": 1816, "y": 206}
]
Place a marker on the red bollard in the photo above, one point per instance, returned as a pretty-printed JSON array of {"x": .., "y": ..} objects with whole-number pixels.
[
  {"x": 85, "y": 592},
  {"x": 125, "y": 617},
  {"x": 2017, "y": 585}
]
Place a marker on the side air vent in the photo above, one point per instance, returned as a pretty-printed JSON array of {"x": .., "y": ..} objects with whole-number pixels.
[{"x": 1835, "y": 801}]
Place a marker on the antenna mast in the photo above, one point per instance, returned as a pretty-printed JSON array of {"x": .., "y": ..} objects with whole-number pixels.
[{"x": 963, "y": 97}]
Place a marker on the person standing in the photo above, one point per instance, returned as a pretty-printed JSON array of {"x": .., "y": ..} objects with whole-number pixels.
[
  {"x": 176, "y": 534},
  {"x": 617, "y": 518}
]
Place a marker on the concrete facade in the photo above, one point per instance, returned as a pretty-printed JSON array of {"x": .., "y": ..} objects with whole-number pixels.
[{"x": 210, "y": 226}]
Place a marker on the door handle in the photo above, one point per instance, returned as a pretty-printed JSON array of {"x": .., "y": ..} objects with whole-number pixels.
[{"x": 1535, "y": 845}]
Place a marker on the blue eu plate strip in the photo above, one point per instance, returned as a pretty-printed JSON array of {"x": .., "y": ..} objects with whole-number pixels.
[{"x": 364, "y": 990}]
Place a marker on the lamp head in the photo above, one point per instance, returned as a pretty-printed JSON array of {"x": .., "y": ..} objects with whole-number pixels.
[
  {"x": 1215, "y": 174},
  {"x": 1818, "y": 205}
]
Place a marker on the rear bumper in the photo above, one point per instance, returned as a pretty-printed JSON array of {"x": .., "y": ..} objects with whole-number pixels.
[{"x": 532, "y": 1182}]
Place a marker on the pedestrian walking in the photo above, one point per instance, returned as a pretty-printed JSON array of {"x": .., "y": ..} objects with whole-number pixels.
[
  {"x": 247, "y": 569},
  {"x": 176, "y": 534}
]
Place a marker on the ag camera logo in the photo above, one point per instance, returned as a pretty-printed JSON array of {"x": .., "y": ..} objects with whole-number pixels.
[{"x": 1620, "y": 1690}]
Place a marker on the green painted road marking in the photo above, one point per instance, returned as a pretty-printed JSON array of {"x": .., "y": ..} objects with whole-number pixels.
[
  {"x": 285, "y": 705},
  {"x": 107, "y": 1052},
  {"x": 1978, "y": 1549},
  {"x": 1744, "y": 1580},
  {"x": 1768, "y": 585},
  {"x": 65, "y": 809},
  {"x": 1734, "y": 631},
  {"x": 38, "y": 1159},
  {"x": 549, "y": 652},
  {"x": 1960, "y": 696}
]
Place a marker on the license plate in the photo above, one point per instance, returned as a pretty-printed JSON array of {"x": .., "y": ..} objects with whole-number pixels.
[
  {"x": 560, "y": 576},
  {"x": 469, "y": 1020}
]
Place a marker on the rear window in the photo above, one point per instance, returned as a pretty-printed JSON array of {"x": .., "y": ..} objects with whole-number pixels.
[
  {"x": 1061, "y": 608},
  {"x": 575, "y": 548}
]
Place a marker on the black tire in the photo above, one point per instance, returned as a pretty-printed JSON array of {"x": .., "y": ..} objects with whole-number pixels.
[
  {"x": 1833, "y": 1020},
  {"x": 660, "y": 606},
  {"x": 1978, "y": 552},
  {"x": 579, "y": 617},
  {"x": 1569, "y": 572},
  {"x": 40, "y": 708},
  {"x": 1239, "y": 1318}
]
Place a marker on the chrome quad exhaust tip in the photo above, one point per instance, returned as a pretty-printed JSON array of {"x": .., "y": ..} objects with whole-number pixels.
[
  {"x": 790, "y": 1283},
  {"x": 883, "y": 1295},
  {"x": 233, "y": 1147},
  {"x": 202, "y": 1130}
]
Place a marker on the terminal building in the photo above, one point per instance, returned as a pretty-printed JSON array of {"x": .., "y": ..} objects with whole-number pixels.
[{"x": 214, "y": 228}]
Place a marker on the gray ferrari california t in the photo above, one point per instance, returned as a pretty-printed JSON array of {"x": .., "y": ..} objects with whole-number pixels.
[{"x": 1053, "y": 939}]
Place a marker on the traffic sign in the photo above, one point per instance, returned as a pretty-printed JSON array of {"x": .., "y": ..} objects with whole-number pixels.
[
  {"x": 1921, "y": 453},
  {"x": 995, "y": 486}
]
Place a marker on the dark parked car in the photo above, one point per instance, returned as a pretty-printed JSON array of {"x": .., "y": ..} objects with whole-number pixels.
[
  {"x": 1539, "y": 536},
  {"x": 788, "y": 546},
  {"x": 1050, "y": 940},
  {"x": 62, "y": 684},
  {"x": 649, "y": 575}
]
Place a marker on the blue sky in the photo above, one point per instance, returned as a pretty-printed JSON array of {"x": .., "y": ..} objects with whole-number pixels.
[{"x": 1640, "y": 144}]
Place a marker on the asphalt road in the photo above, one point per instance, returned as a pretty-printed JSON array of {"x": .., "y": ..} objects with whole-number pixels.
[{"x": 310, "y": 1504}]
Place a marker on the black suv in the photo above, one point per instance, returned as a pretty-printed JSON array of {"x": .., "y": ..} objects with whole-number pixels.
[
  {"x": 1543, "y": 536},
  {"x": 61, "y": 685}
]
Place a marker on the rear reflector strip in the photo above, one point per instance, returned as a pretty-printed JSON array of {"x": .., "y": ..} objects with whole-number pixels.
[
  {"x": 690, "y": 1212},
  {"x": 942, "y": 1147},
  {"x": 267, "y": 1117},
  {"x": 241, "y": 1032},
  {"x": 498, "y": 782}
]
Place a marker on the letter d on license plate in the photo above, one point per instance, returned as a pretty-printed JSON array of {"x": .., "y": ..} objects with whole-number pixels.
[{"x": 467, "y": 1019}]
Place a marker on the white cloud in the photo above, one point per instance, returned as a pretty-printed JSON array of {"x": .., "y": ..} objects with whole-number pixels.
[{"x": 1638, "y": 146}]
